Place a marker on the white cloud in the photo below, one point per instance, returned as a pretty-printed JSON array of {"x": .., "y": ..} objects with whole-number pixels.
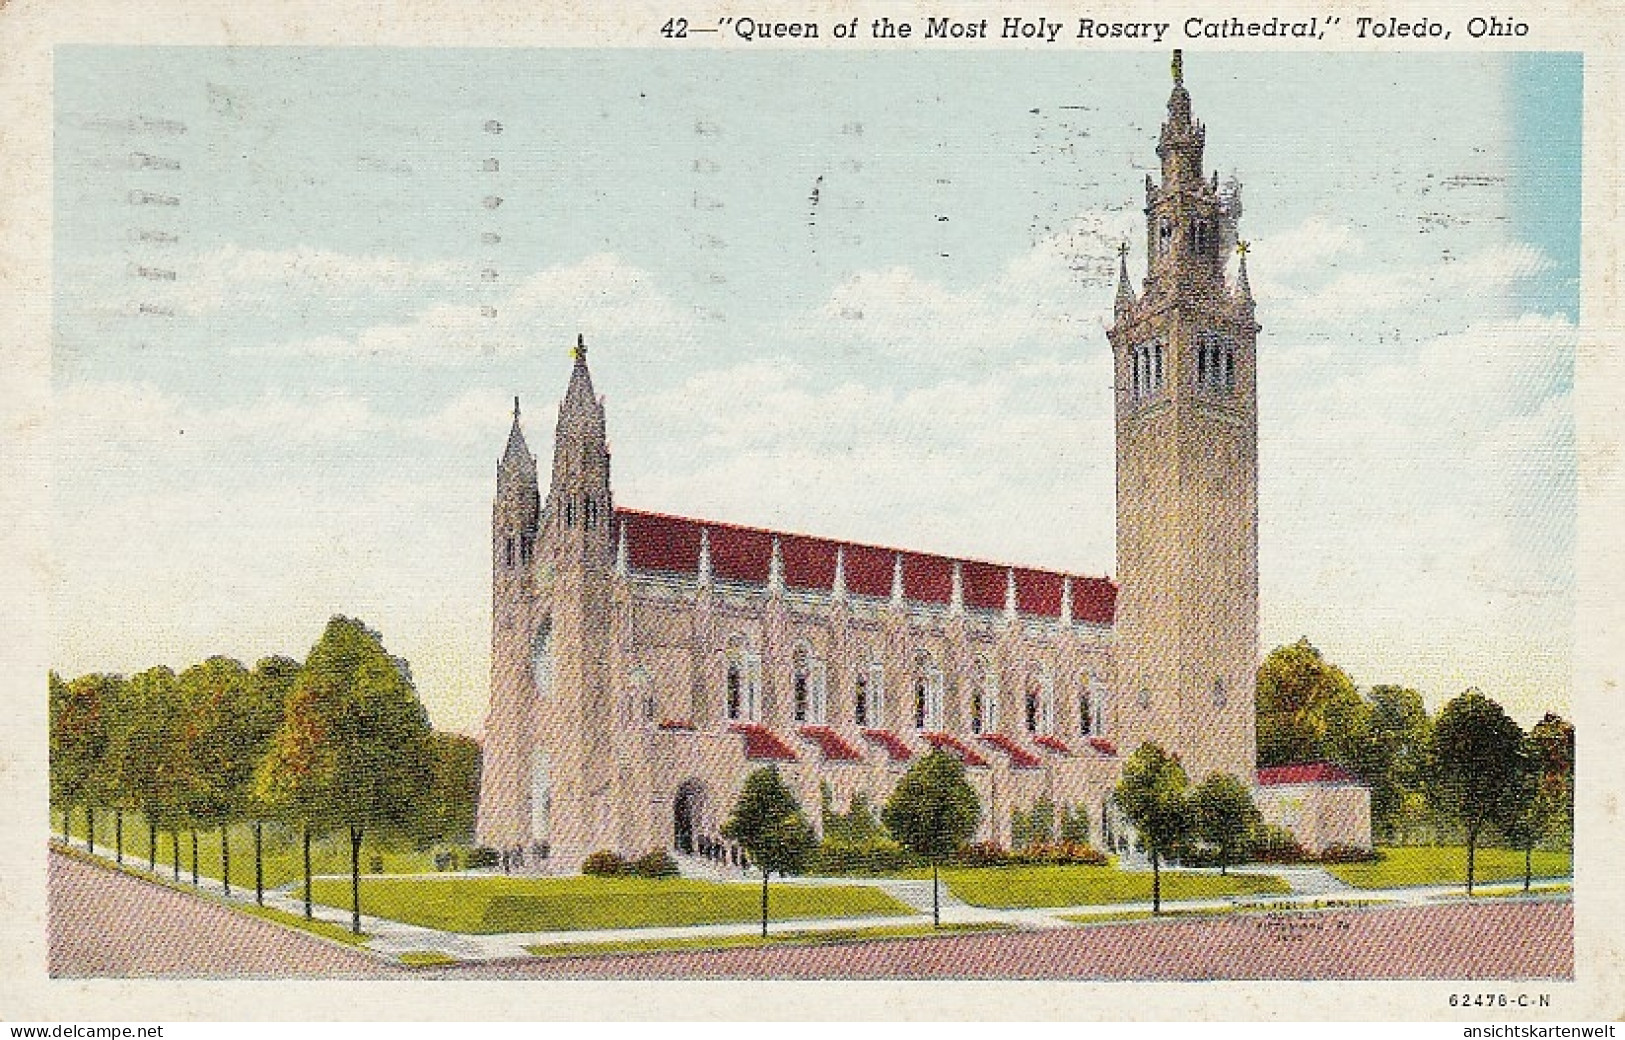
[{"x": 599, "y": 296}]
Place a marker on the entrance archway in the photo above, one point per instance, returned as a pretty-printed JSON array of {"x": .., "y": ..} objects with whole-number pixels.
[{"x": 688, "y": 814}]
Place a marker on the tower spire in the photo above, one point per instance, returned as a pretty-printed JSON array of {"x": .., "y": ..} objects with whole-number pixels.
[
  {"x": 1125, "y": 291},
  {"x": 1244, "y": 291}
]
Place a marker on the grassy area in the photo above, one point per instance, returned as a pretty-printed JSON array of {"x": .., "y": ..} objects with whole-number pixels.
[
  {"x": 283, "y": 860},
  {"x": 1447, "y": 865},
  {"x": 488, "y": 905},
  {"x": 727, "y": 942},
  {"x": 1005, "y": 887}
]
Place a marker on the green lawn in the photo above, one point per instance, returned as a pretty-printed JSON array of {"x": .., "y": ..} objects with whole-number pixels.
[
  {"x": 1005, "y": 887},
  {"x": 487, "y": 905},
  {"x": 1447, "y": 865},
  {"x": 329, "y": 854},
  {"x": 727, "y": 942}
]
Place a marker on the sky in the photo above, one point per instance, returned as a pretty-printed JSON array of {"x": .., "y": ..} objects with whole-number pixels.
[{"x": 860, "y": 295}]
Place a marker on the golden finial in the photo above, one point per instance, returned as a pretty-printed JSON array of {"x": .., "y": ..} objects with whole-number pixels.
[
  {"x": 579, "y": 351},
  {"x": 1242, "y": 247}
]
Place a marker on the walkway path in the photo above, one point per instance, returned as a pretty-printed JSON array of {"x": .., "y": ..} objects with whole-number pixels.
[{"x": 1311, "y": 888}]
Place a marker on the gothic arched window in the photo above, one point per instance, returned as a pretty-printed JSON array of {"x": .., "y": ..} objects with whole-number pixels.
[
  {"x": 860, "y": 699},
  {"x": 1085, "y": 719},
  {"x": 927, "y": 692},
  {"x": 743, "y": 681}
]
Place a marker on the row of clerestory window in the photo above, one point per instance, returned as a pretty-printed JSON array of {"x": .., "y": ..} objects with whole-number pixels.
[{"x": 742, "y": 694}]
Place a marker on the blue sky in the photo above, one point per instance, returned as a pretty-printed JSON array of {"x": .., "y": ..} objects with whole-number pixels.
[{"x": 306, "y": 419}]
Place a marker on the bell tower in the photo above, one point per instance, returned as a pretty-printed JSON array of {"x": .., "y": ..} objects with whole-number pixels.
[{"x": 1187, "y": 470}]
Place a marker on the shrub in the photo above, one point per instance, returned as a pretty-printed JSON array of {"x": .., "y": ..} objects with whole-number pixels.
[
  {"x": 1060, "y": 854},
  {"x": 1074, "y": 825},
  {"x": 1277, "y": 845},
  {"x": 1348, "y": 854},
  {"x": 482, "y": 856},
  {"x": 604, "y": 863},
  {"x": 982, "y": 854},
  {"x": 836, "y": 858},
  {"x": 656, "y": 863}
]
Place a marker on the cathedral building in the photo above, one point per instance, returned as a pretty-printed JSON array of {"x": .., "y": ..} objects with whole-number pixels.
[{"x": 644, "y": 664}]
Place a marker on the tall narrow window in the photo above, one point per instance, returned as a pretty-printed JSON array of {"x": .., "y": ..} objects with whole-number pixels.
[
  {"x": 799, "y": 675},
  {"x": 976, "y": 710},
  {"x": 860, "y": 700},
  {"x": 921, "y": 701},
  {"x": 877, "y": 694},
  {"x": 1085, "y": 719},
  {"x": 590, "y": 513},
  {"x": 1031, "y": 705},
  {"x": 736, "y": 689},
  {"x": 508, "y": 555},
  {"x": 740, "y": 682},
  {"x": 1156, "y": 377}
]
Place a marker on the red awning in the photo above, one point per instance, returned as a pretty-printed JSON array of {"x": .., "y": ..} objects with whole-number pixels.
[
  {"x": 1020, "y": 757},
  {"x": 762, "y": 744},
  {"x": 944, "y": 740},
  {"x": 895, "y": 749},
  {"x": 831, "y": 745}
]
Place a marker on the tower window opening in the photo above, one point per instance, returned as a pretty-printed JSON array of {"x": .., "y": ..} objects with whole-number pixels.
[
  {"x": 734, "y": 689},
  {"x": 1085, "y": 720},
  {"x": 1229, "y": 370},
  {"x": 860, "y": 701},
  {"x": 508, "y": 554},
  {"x": 1165, "y": 234},
  {"x": 527, "y": 546},
  {"x": 921, "y": 697},
  {"x": 1156, "y": 376},
  {"x": 976, "y": 711},
  {"x": 569, "y": 512},
  {"x": 1134, "y": 378},
  {"x": 1201, "y": 364},
  {"x": 590, "y": 513}
]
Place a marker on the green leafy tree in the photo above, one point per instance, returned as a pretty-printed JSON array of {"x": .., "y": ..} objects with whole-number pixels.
[
  {"x": 145, "y": 759},
  {"x": 269, "y": 687},
  {"x": 1225, "y": 818},
  {"x": 1152, "y": 795},
  {"x": 1400, "y": 730},
  {"x": 1551, "y": 741},
  {"x": 1474, "y": 764},
  {"x": 932, "y": 812},
  {"x": 224, "y": 740},
  {"x": 768, "y": 823},
  {"x": 1307, "y": 708},
  {"x": 447, "y": 814},
  {"x": 353, "y": 748},
  {"x": 1522, "y": 821},
  {"x": 79, "y": 712}
]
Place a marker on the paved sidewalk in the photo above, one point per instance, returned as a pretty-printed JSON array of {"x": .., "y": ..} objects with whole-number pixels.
[{"x": 1312, "y": 888}]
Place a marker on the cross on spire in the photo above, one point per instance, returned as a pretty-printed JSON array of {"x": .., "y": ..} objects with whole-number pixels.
[
  {"x": 580, "y": 350},
  {"x": 1122, "y": 249},
  {"x": 1242, "y": 247}
]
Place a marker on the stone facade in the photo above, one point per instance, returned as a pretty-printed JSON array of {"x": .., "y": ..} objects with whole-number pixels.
[{"x": 643, "y": 664}]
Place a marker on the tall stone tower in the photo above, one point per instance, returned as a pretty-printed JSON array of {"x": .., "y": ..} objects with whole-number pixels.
[
  {"x": 1186, "y": 632},
  {"x": 550, "y": 724}
]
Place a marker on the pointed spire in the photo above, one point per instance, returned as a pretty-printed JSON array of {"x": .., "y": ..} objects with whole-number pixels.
[
  {"x": 1010, "y": 594},
  {"x": 579, "y": 398},
  {"x": 897, "y": 580},
  {"x": 837, "y": 589},
  {"x": 775, "y": 568},
  {"x": 622, "y": 557},
  {"x": 956, "y": 598},
  {"x": 1066, "y": 601},
  {"x": 1125, "y": 291},
  {"x": 705, "y": 558},
  {"x": 1244, "y": 291},
  {"x": 1180, "y": 147}
]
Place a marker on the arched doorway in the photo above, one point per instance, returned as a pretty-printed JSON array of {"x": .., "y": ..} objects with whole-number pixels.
[{"x": 688, "y": 815}]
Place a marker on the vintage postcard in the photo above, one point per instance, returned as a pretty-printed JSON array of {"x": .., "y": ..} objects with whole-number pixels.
[{"x": 1089, "y": 502}]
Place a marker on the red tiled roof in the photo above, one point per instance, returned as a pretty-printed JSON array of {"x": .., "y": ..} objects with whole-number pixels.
[
  {"x": 1102, "y": 745},
  {"x": 944, "y": 740},
  {"x": 1053, "y": 743},
  {"x": 830, "y": 743},
  {"x": 659, "y": 542},
  {"x": 762, "y": 744},
  {"x": 676, "y": 724},
  {"x": 896, "y": 750},
  {"x": 1020, "y": 757},
  {"x": 1305, "y": 773}
]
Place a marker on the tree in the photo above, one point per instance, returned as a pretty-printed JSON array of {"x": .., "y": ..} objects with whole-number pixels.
[
  {"x": 353, "y": 748},
  {"x": 768, "y": 822},
  {"x": 1224, "y": 817},
  {"x": 1521, "y": 820},
  {"x": 1151, "y": 794},
  {"x": 1400, "y": 730},
  {"x": 1551, "y": 741},
  {"x": 78, "y": 739},
  {"x": 269, "y": 687},
  {"x": 1305, "y": 704},
  {"x": 447, "y": 814},
  {"x": 145, "y": 760},
  {"x": 932, "y": 812},
  {"x": 1474, "y": 763},
  {"x": 220, "y": 740}
]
